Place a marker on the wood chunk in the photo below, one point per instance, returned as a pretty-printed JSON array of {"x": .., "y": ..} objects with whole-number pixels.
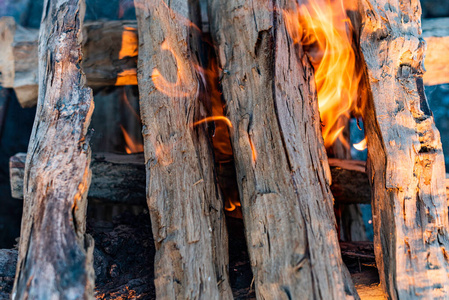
[
  {"x": 436, "y": 62},
  {"x": 406, "y": 163},
  {"x": 55, "y": 255},
  {"x": 185, "y": 204},
  {"x": 109, "y": 51},
  {"x": 267, "y": 84}
]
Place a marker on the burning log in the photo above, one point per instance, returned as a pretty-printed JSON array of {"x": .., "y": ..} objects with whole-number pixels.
[
  {"x": 115, "y": 178},
  {"x": 185, "y": 204},
  {"x": 109, "y": 51},
  {"x": 280, "y": 159},
  {"x": 55, "y": 256},
  {"x": 406, "y": 164}
]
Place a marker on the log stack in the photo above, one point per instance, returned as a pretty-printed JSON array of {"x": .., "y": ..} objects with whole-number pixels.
[{"x": 282, "y": 170}]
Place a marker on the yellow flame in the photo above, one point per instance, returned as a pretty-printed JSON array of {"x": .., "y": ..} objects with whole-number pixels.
[
  {"x": 325, "y": 31},
  {"x": 214, "y": 118},
  {"x": 361, "y": 146}
]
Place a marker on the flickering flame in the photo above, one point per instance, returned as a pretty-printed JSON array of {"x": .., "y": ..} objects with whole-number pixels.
[
  {"x": 361, "y": 146},
  {"x": 214, "y": 118},
  {"x": 324, "y": 30},
  {"x": 131, "y": 145},
  {"x": 220, "y": 139}
]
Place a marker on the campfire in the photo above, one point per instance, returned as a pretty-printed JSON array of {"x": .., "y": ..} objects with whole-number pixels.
[{"x": 228, "y": 125}]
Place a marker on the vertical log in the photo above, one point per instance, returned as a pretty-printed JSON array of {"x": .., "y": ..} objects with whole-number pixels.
[
  {"x": 55, "y": 257},
  {"x": 406, "y": 166},
  {"x": 185, "y": 204},
  {"x": 280, "y": 160}
]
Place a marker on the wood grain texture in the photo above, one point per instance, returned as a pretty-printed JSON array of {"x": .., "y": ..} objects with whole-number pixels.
[
  {"x": 106, "y": 61},
  {"x": 406, "y": 164},
  {"x": 55, "y": 255},
  {"x": 280, "y": 158},
  {"x": 185, "y": 204}
]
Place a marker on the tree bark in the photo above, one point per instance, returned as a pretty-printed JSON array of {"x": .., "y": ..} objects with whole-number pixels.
[
  {"x": 287, "y": 205},
  {"x": 406, "y": 165},
  {"x": 109, "y": 51},
  {"x": 185, "y": 204},
  {"x": 55, "y": 256}
]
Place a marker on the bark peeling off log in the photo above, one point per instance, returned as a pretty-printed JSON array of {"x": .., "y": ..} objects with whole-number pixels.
[
  {"x": 185, "y": 205},
  {"x": 406, "y": 165},
  {"x": 279, "y": 154},
  {"x": 55, "y": 259}
]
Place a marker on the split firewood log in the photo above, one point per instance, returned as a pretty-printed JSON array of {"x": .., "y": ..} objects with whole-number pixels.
[
  {"x": 185, "y": 204},
  {"x": 406, "y": 163},
  {"x": 109, "y": 51},
  {"x": 55, "y": 255},
  {"x": 280, "y": 159}
]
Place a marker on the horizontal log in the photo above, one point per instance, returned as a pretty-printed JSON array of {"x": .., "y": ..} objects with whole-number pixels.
[
  {"x": 109, "y": 62},
  {"x": 115, "y": 178},
  {"x": 350, "y": 183},
  {"x": 120, "y": 178},
  {"x": 436, "y": 34},
  {"x": 109, "y": 49}
]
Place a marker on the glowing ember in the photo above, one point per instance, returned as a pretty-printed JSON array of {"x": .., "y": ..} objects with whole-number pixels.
[{"x": 325, "y": 31}]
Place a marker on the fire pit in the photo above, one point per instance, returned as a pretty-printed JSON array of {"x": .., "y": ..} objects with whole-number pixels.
[{"x": 244, "y": 157}]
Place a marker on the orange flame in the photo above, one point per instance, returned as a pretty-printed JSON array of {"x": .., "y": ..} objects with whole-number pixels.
[
  {"x": 325, "y": 31},
  {"x": 131, "y": 145}
]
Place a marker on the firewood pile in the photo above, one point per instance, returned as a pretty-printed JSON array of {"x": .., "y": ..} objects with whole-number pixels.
[{"x": 242, "y": 184}]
